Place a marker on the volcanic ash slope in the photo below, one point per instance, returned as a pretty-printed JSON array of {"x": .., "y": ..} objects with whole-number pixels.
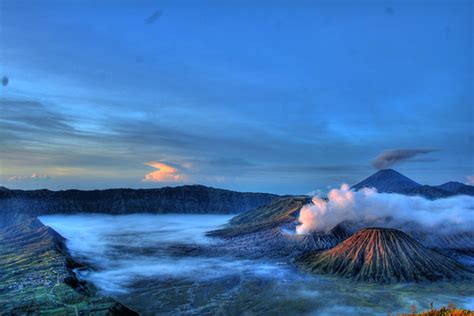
[
  {"x": 383, "y": 255},
  {"x": 269, "y": 231}
]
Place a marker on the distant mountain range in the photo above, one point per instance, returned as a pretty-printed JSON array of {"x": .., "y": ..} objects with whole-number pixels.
[
  {"x": 196, "y": 199},
  {"x": 391, "y": 181}
]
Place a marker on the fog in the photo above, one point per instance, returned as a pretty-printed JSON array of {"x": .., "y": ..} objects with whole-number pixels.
[
  {"x": 165, "y": 264},
  {"x": 123, "y": 249}
]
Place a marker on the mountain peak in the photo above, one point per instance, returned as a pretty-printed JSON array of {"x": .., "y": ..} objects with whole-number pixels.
[
  {"x": 457, "y": 188},
  {"x": 451, "y": 186},
  {"x": 382, "y": 173},
  {"x": 387, "y": 180}
]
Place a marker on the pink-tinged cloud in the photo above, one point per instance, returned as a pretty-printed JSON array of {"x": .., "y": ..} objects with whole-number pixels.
[
  {"x": 470, "y": 180},
  {"x": 34, "y": 176},
  {"x": 165, "y": 173}
]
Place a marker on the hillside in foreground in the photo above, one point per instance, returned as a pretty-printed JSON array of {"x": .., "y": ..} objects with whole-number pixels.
[{"x": 36, "y": 275}]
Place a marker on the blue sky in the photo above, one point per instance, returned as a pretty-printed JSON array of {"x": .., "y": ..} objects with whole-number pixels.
[{"x": 276, "y": 96}]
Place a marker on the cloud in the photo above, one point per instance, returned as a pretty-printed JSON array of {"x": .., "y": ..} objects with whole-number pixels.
[
  {"x": 453, "y": 214},
  {"x": 388, "y": 158},
  {"x": 34, "y": 176},
  {"x": 165, "y": 173},
  {"x": 470, "y": 180},
  {"x": 152, "y": 18}
]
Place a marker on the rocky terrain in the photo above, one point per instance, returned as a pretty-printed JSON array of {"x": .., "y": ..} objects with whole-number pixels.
[
  {"x": 36, "y": 275},
  {"x": 391, "y": 181},
  {"x": 196, "y": 199},
  {"x": 383, "y": 255},
  {"x": 454, "y": 244},
  {"x": 269, "y": 231}
]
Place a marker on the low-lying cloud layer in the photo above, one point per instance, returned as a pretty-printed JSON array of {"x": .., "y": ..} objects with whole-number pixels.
[
  {"x": 391, "y": 157},
  {"x": 129, "y": 248},
  {"x": 449, "y": 214}
]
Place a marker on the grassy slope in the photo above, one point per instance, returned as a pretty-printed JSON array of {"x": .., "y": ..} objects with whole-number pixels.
[{"x": 35, "y": 272}]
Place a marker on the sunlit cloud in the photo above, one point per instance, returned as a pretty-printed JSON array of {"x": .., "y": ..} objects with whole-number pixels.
[
  {"x": 33, "y": 176},
  {"x": 165, "y": 173}
]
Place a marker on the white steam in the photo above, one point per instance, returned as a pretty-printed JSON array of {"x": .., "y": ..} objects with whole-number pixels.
[{"x": 449, "y": 214}]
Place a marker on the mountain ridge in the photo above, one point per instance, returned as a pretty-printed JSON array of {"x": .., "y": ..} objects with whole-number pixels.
[
  {"x": 391, "y": 181},
  {"x": 196, "y": 199}
]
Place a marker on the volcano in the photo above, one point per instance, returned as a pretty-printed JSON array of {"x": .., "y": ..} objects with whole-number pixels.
[
  {"x": 387, "y": 180},
  {"x": 270, "y": 231},
  {"x": 383, "y": 255},
  {"x": 391, "y": 181}
]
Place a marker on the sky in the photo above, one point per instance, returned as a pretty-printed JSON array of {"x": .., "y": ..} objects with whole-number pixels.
[{"x": 272, "y": 96}]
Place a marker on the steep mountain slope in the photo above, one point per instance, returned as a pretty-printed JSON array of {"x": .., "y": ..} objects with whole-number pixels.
[
  {"x": 281, "y": 211},
  {"x": 269, "y": 231},
  {"x": 387, "y": 180},
  {"x": 391, "y": 181},
  {"x": 450, "y": 242},
  {"x": 184, "y": 199},
  {"x": 36, "y": 275},
  {"x": 383, "y": 255}
]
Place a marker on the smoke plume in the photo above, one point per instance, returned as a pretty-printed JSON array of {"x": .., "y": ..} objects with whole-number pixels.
[
  {"x": 388, "y": 158},
  {"x": 449, "y": 214}
]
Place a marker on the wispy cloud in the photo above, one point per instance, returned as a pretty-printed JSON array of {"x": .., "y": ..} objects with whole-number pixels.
[
  {"x": 165, "y": 173},
  {"x": 33, "y": 176}
]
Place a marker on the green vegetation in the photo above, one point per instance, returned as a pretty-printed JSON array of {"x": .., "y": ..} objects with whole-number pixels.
[{"x": 33, "y": 269}]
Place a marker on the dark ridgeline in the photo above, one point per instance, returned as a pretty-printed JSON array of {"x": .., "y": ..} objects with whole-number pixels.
[
  {"x": 195, "y": 199},
  {"x": 457, "y": 187},
  {"x": 391, "y": 181},
  {"x": 383, "y": 255}
]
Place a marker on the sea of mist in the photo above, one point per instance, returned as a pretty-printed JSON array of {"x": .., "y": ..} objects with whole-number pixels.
[{"x": 165, "y": 264}]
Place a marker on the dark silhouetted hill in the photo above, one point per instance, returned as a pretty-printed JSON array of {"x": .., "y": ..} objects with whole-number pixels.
[{"x": 196, "y": 199}]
